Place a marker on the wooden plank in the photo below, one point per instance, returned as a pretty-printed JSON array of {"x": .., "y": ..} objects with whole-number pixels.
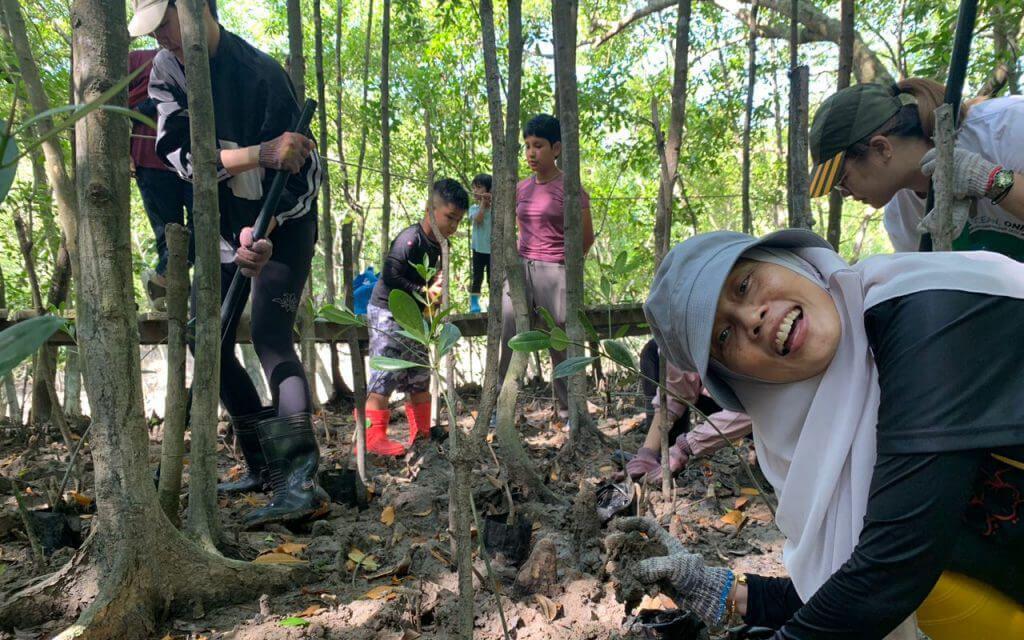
[{"x": 608, "y": 320}]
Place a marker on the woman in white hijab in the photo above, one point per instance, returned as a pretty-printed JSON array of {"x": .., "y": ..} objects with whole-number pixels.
[{"x": 885, "y": 399}]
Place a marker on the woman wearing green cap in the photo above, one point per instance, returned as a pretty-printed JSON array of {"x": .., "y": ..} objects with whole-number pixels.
[
  {"x": 885, "y": 404},
  {"x": 874, "y": 143}
]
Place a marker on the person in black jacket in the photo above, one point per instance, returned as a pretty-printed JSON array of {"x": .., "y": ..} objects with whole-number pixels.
[
  {"x": 415, "y": 245},
  {"x": 886, "y": 412},
  {"x": 254, "y": 105}
]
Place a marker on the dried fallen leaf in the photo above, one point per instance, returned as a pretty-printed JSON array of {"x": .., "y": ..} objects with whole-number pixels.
[
  {"x": 235, "y": 473},
  {"x": 368, "y": 562},
  {"x": 373, "y": 537},
  {"x": 311, "y": 610},
  {"x": 82, "y": 500},
  {"x": 250, "y": 500},
  {"x": 749, "y": 491},
  {"x": 660, "y": 602},
  {"x": 387, "y": 516},
  {"x": 741, "y": 502},
  {"x": 548, "y": 606},
  {"x": 424, "y": 514},
  {"x": 734, "y": 517},
  {"x": 277, "y": 558},
  {"x": 291, "y": 548},
  {"x": 383, "y": 591}
]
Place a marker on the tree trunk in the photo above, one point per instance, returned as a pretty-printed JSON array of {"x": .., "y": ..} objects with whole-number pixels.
[
  {"x": 297, "y": 73},
  {"x": 203, "y": 521},
  {"x": 120, "y": 574},
  {"x": 348, "y": 261},
  {"x": 172, "y": 451},
  {"x": 252, "y": 365},
  {"x": 748, "y": 117},
  {"x": 385, "y": 132},
  {"x": 505, "y": 261},
  {"x": 835, "y": 200},
  {"x": 10, "y": 389},
  {"x": 800, "y": 215},
  {"x": 366, "y": 94},
  {"x": 564, "y": 16}
]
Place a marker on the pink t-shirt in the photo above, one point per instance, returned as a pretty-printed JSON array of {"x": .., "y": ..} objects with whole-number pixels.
[{"x": 540, "y": 212}]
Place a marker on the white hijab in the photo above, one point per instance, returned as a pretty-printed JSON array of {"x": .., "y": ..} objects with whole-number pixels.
[{"x": 816, "y": 438}]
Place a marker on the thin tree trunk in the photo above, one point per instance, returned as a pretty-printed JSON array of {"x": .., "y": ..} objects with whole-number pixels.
[
  {"x": 564, "y": 16},
  {"x": 203, "y": 521},
  {"x": 505, "y": 261},
  {"x": 835, "y": 200},
  {"x": 172, "y": 451},
  {"x": 348, "y": 262},
  {"x": 252, "y": 365},
  {"x": 385, "y": 132},
  {"x": 366, "y": 93},
  {"x": 748, "y": 117},
  {"x": 297, "y": 73},
  {"x": 73, "y": 383},
  {"x": 800, "y": 215},
  {"x": 10, "y": 389}
]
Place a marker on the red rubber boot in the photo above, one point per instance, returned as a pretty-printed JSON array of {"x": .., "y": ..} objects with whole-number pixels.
[
  {"x": 419, "y": 420},
  {"x": 377, "y": 441}
]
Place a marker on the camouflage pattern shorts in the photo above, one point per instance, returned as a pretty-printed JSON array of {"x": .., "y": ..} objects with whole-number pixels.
[{"x": 385, "y": 341}]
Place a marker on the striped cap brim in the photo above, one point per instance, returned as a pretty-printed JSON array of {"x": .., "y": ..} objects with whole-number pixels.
[{"x": 825, "y": 175}]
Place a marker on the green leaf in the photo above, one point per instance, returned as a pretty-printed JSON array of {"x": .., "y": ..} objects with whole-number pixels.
[
  {"x": 294, "y": 621},
  {"x": 619, "y": 353},
  {"x": 571, "y": 366},
  {"x": 559, "y": 339},
  {"x": 621, "y": 331},
  {"x": 620, "y": 262},
  {"x": 83, "y": 110},
  {"x": 382, "y": 363},
  {"x": 530, "y": 341},
  {"x": 606, "y": 288},
  {"x": 406, "y": 334},
  {"x": 407, "y": 313},
  {"x": 449, "y": 335},
  {"x": 548, "y": 318},
  {"x": 23, "y": 339},
  {"x": 588, "y": 326},
  {"x": 340, "y": 315},
  {"x": 8, "y": 166}
]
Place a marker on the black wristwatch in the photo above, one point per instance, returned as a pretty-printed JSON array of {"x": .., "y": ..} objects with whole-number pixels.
[{"x": 1001, "y": 185}]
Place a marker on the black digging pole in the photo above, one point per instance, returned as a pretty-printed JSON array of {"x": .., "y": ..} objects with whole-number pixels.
[{"x": 955, "y": 81}]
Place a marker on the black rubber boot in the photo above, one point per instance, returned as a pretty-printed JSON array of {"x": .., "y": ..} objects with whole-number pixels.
[
  {"x": 292, "y": 459},
  {"x": 256, "y": 477}
]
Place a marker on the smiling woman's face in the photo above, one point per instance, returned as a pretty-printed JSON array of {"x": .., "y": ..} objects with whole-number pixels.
[{"x": 774, "y": 324}]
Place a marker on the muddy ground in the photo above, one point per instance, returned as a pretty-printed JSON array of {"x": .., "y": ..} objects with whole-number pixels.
[{"x": 385, "y": 572}]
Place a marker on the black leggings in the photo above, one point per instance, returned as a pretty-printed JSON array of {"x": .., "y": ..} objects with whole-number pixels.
[
  {"x": 276, "y": 294},
  {"x": 481, "y": 266}
]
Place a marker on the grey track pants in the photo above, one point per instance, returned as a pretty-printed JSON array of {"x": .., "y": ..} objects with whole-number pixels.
[{"x": 545, "y": 287}]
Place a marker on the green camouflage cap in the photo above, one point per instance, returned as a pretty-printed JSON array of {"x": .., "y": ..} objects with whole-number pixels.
[{"x": 844, "y": 119}]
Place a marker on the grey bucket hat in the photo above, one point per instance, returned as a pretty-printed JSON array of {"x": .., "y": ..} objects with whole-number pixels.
[{"x": 681, "y": 306}]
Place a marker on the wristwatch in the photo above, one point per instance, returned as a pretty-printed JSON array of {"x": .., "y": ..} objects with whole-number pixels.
[{"x": 1001, "y": 185}]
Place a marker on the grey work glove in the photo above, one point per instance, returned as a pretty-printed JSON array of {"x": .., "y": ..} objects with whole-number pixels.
[
  {"x": 286, "y": 152},
  {"x": 701, "y": 589},
  {"x": 972, "y": 174}
]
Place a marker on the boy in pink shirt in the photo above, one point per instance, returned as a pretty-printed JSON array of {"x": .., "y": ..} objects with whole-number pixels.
[{"x": 540, "y": 214}]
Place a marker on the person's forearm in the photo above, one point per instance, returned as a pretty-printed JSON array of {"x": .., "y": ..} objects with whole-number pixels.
[
  {"x": 737, "y": 600},
  {"x": 704, "y": 439},
  {"x": 237, "y": 161}
]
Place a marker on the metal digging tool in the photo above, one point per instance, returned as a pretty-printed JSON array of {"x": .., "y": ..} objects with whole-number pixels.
[
  {"x": 955, "y": 82},
  {"x": 232, "y": 305}
]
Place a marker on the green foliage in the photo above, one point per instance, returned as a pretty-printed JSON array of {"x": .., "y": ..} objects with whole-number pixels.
[
  {"x": 571, "y": 366},
  {"x": 8, "y": 157},
  {"x": 339, "y": 314},
  {"x": 447, "y": 338},
  {"x": 530, "y": 341},
  {"x": 23, "y": 339},
  {"x": 381, "y": 363},
  {"x": 407, "y": 314},
  {"x": 619, "y": 353},
  {"x": 294, "y": 621}
]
